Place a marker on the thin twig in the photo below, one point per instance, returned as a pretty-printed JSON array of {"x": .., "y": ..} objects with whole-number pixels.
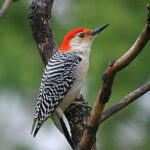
[
  {"x": 125, "y": 101},
  {"x": 89, "y": 135},
  {"x": 5, "y": 7}
]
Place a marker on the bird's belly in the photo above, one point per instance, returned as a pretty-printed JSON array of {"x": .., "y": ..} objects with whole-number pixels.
[{"x": 72, "y": 94}]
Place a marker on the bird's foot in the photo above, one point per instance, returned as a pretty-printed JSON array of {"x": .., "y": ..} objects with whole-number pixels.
[{"x": 78, "y": 103}]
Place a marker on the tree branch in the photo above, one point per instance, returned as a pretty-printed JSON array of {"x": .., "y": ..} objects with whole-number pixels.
[
  {"x": 125, "y": 101},
  {"x": 5, "y": 7},
  {"x": 39, "y": 15},
  {"x": 89, "y": 135}
]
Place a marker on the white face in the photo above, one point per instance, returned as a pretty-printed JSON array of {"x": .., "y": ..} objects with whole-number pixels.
[{"x": 82, "y": 42}]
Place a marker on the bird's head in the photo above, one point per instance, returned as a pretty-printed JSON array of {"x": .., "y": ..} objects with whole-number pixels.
[{"x": 80, "y": 39}]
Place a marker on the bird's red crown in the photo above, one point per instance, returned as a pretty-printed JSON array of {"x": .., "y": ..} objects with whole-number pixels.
[{"x": 65, "y": 45}]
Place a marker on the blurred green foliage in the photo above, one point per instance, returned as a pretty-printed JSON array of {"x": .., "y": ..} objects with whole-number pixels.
[{"x": 21, "y": 66}]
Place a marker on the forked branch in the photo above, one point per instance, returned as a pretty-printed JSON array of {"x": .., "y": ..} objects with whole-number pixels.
[
  {"x": 89, "y": 135},
  {"x": 125, "y": 101}
]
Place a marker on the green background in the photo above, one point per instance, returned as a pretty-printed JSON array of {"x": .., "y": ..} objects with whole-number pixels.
[{"x": 21, "y": 67}]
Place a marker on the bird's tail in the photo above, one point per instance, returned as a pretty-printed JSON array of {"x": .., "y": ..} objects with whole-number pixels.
[
  {"x": 57, "y": 119},
  {"x": 66, "y": 133},
  {"x": 34, "y": 129},
  {"x": 60, "y": 124}
]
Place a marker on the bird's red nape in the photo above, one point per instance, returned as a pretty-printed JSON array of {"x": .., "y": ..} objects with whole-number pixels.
[{"x": 65, "y": 45}]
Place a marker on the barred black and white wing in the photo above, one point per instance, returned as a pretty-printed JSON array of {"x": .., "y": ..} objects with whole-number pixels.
[{"x": 58, "y": 78}]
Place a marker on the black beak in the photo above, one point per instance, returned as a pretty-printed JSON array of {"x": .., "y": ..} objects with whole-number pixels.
[{"x": 99, "y": 29}]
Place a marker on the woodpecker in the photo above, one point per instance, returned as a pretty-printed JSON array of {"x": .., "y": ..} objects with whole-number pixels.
[{"x": 64, "y": 76}]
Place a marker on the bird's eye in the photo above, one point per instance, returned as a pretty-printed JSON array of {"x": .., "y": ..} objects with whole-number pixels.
[{"x": 81, "y": 35}]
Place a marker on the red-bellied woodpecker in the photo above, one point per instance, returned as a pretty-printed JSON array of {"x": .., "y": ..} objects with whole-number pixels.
[{"x": 64, "y": 76}]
